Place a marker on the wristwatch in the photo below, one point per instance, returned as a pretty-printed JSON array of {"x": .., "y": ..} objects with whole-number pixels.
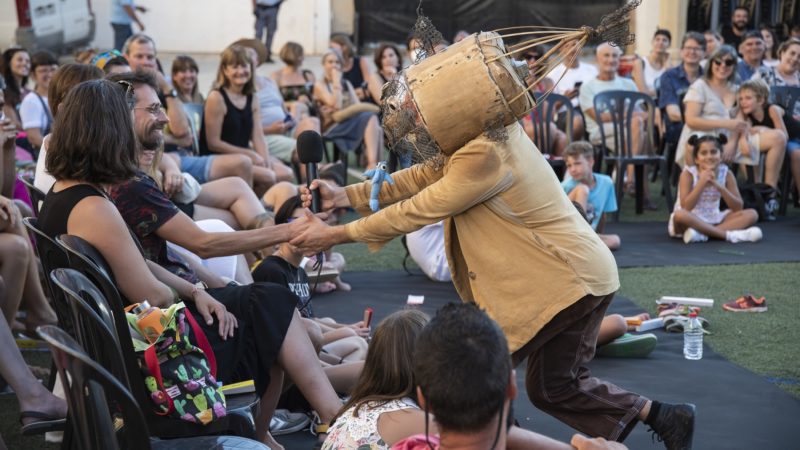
[{"x": 172, "y": 93}]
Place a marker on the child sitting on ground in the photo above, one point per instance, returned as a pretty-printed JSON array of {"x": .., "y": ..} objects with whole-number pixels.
[
  {"x": 697, "y": 215},
  {"x": 338, "y": 343},
  {"x": 594, "y": 192}
]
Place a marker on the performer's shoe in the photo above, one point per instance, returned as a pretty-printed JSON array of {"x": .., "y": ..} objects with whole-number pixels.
[{"x": 674, "y": 425}]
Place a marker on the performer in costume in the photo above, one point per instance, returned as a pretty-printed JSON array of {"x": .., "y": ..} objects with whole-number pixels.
[{"x": 516, "y": 245}]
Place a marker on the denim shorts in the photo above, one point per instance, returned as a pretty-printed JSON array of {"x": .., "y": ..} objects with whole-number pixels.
[{"x": 197, "y": 166}]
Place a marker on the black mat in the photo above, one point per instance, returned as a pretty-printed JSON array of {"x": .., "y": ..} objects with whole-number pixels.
[
  {"x": 647, "y": 244},
  {"x": 737, "y": 409}
]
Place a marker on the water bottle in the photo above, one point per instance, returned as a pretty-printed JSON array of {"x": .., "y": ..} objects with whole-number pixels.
[
  {"x": 149, "y": 319},
  {"x": 693, "y": 338}
]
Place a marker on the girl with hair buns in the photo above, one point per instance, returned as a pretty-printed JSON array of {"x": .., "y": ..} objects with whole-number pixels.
[{"x": 697, "y": 216}]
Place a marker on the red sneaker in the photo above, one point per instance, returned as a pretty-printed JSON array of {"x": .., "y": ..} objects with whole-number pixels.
[{"x": 747, "y": 303}]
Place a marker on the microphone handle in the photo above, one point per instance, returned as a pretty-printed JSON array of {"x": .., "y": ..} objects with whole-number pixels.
[{"x": 311, "y": 174}]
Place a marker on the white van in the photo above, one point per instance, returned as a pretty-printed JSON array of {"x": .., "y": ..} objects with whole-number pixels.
[{"x": 55, "y": 25}]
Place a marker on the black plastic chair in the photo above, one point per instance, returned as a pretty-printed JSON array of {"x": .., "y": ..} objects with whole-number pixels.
[
  {"x": 542, "y": 117},
  {"x": 84, "y": 258},
  {"x": 788, "y": 98},
  {"x": 106, "y": 415},
  {"x": 621, "y": 105},
  {"x": 37, "y": 196},
  {"x": 52, "y": 256}
]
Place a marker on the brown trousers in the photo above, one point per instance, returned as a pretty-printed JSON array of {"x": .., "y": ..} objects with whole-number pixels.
[{"x": 559, "y": 383}]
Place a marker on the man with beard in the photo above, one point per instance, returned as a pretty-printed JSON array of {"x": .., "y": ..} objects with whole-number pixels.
[
  {"x": 732, "y": 34},
  {"x": 140, "y": 52}
]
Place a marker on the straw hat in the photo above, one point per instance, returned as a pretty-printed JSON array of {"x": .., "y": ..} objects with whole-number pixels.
[{"x": 255, "y": 44}]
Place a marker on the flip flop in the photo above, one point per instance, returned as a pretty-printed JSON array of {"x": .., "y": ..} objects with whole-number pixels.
[{"x": 45, "y": 423}]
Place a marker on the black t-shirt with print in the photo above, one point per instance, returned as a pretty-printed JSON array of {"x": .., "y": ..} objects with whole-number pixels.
[{"x": 275, "y": 269}]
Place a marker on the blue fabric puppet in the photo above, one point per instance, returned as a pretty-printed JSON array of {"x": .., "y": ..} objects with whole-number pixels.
[{"x": 378, "y": 176}]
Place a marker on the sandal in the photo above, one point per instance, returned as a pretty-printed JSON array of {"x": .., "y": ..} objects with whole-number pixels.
[
  {"x": 45, "y": 423},
  {"x": 675, "y": 324}
]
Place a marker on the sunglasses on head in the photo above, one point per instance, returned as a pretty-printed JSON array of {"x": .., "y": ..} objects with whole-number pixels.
[
  {"x": 729, "y": 62},
  {"x": 129, "y": 92}
]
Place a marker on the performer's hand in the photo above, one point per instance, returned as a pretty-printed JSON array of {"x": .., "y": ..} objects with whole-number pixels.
[
  {"x": 311, "y": 235},
  {"x": 331, "y": 196},
  {"x": 584, "y": 443}
]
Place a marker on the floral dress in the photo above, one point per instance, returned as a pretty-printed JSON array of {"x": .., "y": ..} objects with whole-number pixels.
[{"x": 361, "y": 432}]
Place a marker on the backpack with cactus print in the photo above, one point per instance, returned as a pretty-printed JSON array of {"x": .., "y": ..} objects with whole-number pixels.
[{"x": 179, "y": 368}]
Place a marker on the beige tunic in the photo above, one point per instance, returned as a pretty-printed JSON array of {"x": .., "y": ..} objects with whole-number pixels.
[{"x": 516, "y": 245}]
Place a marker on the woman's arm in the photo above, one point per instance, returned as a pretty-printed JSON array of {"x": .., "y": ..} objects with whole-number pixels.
[
  {"x": 638, "y": 77},
  {"x": 257, "y": 135},
  {"x": 375, "y": 86},
  {"x": 97, "y": 221},
  {"x": 352, "y": 93},
  {"x": 34, "y": 136},
  {"x": 693, "y": 117},
  {"x": 332, "y": 99}
]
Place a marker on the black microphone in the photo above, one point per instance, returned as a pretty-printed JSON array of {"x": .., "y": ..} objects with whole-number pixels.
[{"x": 309, "y": 151}]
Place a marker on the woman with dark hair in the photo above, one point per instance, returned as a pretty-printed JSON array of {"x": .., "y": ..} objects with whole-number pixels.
[
  {"x": 708, "y": 104},
  {"x": 646, "y": 70},
  {"x": 389, "y": 62},
  {"x": 770, "y": 46},
  {"x": 255, "y": 330},
  {"x": 34, "y": 111},
  {"x": 16, "y": 67},
  {"x": 65, "y": 78},
  {"x": 355, "y": 69},
  {"x": 184, "y": 78}
]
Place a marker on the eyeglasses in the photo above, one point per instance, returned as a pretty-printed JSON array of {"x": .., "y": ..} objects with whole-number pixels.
[
  {"x": 693, "y": 49},
  {"x": 728, "y": 62},
  {"x": 129, "y": 92},
  {"x": 152, "y": 109}
]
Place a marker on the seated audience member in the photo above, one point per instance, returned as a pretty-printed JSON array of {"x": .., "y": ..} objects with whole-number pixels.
[
  {"x": 111, "y": 62},
  {"x": 787, "y": 73},
  {"x": 184, "y": 79},
  {"x": 339, "y": 343},
  {"x": 18, "y": 266},
  {"x": 388, "y": 62},
  {"x": 465, "y": 383},
  {"x": 34, "y": 110},
  {"x": 697, "y": 216},
  {"x": 355, "y": 69},
  {"x": 607, "y": 80},
  {"x": 63, "y": 80},
  {"x": 770, "y": 46},
  {"x": 713, "y": 42},
  {"x": 752, "y": 51},
  {"x": 259, "y": 317},
  {"x": 296, "y": 84},
  {"x": 676, "y": 81},
  {"x": 16, "y": 68},
  {"x": 708, "y": 104},
  {"x": 558, "y": 140},
  {"x": 570, "y": 75},
  {"x": 766, "y": 134},
  {"x": 140, "y": 51},
  {"x": 231, "y": 118},
  {"x": 594, "y": 192},
  {"x": 39, "y": 408},
  {"x": 279, "y": 126},
  {"x": 334, "y": 93},
  {"x": 382, "y": 409},
  {"x": 648, "y": 69}
]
